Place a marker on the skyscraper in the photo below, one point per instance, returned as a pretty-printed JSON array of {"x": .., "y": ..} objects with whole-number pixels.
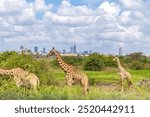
[
  {"x": 90, "y": 52},
  {"x": 36, "y": 49},
  {"x": 71, "y": 49},
  {"x": 85, "y": 52},
  {"x": 64, "y": 51},
  {"x": 44, "y": 50},
  {"x": 120, "y": 51},
  {"x": 74, "y": 49}
]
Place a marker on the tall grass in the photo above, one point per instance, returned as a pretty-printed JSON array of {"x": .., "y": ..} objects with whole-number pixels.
[
  {"x": 103, "y": 84},
  {"x": 106, "y": 87}
]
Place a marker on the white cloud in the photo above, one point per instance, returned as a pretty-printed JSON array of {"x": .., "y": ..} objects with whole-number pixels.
[
  {"x": 66, "y": 9},
  {"x": 40, "y": 6},
  {"x": 110, "y": 8},
  {"x": 11, "y": 7},
  {"x": 27, "y": 16},
  {"x": 132, "y": 4},
  {"x": 104, "y": 28},
  {"x": 125, "y": 17}
]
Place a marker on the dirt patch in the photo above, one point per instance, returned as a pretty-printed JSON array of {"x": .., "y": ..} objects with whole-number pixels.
[{"x": 109, "y": 87}]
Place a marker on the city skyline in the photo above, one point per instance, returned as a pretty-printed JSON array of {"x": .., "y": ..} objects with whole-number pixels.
[
  {"x": 44, "y": 50},
  {"x": 98, "y": 25},
  {"x": 69, "y": 52},
  {"x": 73, "y": 50}
]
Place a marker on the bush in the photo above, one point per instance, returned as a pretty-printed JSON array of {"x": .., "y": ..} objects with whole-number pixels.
[
  {"x": 147, "y": 66},
  {"x": 137, "y": 65},
  {"x": 6, "y": 55},
  {"x": 108, "y": 61},
  {"x": 74, "y": 60},
  {"x": 39, "y": 67},
  {"x": 54, "y": 63},
  {"x": 94, "y": 62}
]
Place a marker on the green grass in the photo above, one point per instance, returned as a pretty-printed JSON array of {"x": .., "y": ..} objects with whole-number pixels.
[{"x": 103, "y": 86}]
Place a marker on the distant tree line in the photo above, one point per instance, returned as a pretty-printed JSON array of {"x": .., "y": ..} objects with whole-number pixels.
[
  {"x": 97, "y": 62},
  {"x": 93, "y": 62}
]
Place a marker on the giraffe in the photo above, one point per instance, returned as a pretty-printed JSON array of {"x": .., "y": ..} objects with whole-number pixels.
[
  {"x": 123, "y": 74},
  {"x": 72, "y": 75},
  {"x": 31, "y": 81},
  {"x": 22, "y": 77}
]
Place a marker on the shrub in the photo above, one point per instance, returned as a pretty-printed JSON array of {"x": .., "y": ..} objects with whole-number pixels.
[
  {"x": 137, "y": 65},
  {"x": 108, "y": 61},
  {"x": 94, "y": 62},
  {"x": 39, "y": 67},
  {"x": 147, "y": 66},
  {"x": 6, "y": 55},
  {"x": 74, "y": 60}
]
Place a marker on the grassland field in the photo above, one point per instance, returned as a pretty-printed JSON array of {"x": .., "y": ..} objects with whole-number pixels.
[{"x": 104, "y": 85}]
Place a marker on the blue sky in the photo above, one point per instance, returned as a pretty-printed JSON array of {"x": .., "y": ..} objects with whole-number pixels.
[
  {"x": 98, "y": 25},
  {"x": 91, "y": 3},
  {"x": 73, "y": 2}
]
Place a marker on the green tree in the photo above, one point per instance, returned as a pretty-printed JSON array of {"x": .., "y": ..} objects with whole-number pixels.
[
  {"x": 137, "y": 65},
  {"x": 40, "y": 67},
  {"x": 136, "y": 56},
  {"x": 94, "y": 62}
]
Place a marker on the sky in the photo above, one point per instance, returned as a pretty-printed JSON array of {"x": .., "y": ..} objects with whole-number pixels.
[{"x": 98, "y": 25}]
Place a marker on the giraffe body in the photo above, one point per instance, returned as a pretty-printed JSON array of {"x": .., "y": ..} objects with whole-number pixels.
[
  {"x": 22, "y": 77},
  {"x": 72, "y": 75},
  {"x": 31, "y": 81},
  {"x": 123, "y": 74}
]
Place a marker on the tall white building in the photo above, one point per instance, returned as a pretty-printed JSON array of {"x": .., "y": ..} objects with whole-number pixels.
[{"x": 120, "y": 51}]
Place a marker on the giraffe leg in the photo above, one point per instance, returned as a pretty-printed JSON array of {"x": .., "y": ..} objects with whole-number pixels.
[
  {"x": 129, "y": 83},
  {"x": 69, "y": 83},
  {"x": 17, "y": 81},
  {"x": 86, "y": 90},
  {"x": 84, "y": 84},
  {"x": 121, "y": 84},
  {"x": 69, "y": 80}
]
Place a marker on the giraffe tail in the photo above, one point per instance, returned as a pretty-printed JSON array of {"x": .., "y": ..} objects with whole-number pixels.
[
  {"x": 88, "y": 89},
  {"x": 130, "y": 83}
]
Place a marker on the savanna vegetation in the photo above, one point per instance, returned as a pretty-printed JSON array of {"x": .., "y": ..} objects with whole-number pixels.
[{"x": 101, "y": 70}]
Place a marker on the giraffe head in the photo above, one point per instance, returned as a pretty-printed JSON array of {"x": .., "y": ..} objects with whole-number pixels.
[{"x": 51, "y": 52}]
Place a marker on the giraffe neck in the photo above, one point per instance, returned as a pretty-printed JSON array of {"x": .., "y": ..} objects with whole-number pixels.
[
  {"x": 119, "y": 65},
  {"x": 61, "y": 62},
  {"x": 6, "y": 72}
]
